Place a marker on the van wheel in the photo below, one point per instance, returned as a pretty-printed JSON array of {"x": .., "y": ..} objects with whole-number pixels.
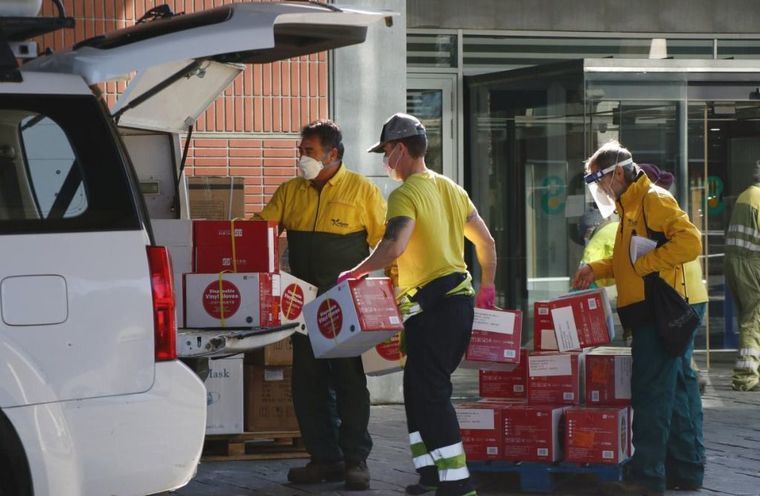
[{"x": 15, "y": 478}]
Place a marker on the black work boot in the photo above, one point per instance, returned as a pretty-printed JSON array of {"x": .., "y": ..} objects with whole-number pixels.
[
  {"x": 428, "y": 482},
  {"x": 315, "y": 472},
  {"x": 357, "y": 476}
]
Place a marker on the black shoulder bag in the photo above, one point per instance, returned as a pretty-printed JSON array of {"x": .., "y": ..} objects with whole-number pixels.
[{"x": 674, "y": 318}]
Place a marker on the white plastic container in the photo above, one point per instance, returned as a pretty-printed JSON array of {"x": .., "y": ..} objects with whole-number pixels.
[{"x": 20, "y": 8}]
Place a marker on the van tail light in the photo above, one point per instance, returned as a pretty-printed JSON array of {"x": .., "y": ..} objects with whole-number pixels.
[{"x": 164, "y": 322}]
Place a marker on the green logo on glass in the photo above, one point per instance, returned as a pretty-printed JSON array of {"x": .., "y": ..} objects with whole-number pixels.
[{"x": 553, "y": 195}]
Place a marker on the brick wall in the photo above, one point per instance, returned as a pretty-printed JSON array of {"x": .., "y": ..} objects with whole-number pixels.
[{"x": 270, "y": 101}]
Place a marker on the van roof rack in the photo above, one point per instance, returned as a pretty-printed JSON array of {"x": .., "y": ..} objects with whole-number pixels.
[{"x": 18, "y": 29}]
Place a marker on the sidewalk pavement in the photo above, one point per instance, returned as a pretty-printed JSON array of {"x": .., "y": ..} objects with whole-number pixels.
[{"x": 732, "y": 439}]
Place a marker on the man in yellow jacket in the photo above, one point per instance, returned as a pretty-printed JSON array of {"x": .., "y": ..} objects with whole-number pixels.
[{"x": 667, "y": 430}]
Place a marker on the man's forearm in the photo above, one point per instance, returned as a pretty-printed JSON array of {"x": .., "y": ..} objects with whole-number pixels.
[
  {"x": 383, "y": 256},
  {"x": 486, "y": 255}
]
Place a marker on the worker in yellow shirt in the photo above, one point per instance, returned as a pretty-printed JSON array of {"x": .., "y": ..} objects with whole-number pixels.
[
  {"x": 332, "y": 217},
  {"x": 429, "y": 217}
]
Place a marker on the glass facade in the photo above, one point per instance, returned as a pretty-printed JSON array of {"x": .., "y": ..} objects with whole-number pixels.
[{"x": 529, "y": 131}]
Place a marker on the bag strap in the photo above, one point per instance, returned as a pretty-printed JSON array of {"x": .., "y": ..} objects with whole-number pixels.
[{"x": 660, "y": 243}]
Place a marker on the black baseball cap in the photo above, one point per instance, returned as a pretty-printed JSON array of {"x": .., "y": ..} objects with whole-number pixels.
[{"x": 398, "y": 126}]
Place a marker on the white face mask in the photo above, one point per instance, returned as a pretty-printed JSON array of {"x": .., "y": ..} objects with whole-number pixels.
[
  {"x": 309, "y": 167},
  {"x": 392, "y": 172}
]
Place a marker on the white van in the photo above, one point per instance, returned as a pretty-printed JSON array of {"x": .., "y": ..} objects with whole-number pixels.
[{"x": 92, "y": 398}]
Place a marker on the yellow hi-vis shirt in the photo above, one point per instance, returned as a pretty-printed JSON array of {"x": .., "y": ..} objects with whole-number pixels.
[{"x": 439, "y": 208}]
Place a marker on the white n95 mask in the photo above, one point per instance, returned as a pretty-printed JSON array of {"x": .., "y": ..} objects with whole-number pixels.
[
  {"x": 309, "y": 167},
  {"x": 392, "y": 173}
]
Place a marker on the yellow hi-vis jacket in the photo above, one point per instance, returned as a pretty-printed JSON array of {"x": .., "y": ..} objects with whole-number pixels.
[{"x": 664, "y": 216}]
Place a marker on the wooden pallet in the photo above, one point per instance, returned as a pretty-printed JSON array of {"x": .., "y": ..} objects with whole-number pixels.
[
  {"x": 545, "y": 477},
  {"x": 275, "y": 445}
]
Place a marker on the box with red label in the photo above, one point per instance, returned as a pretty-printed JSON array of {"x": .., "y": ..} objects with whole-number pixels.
[
  {"x": 555, "y": 378},
  {"x": 608, "y": 376},
  {"x": 295, "y": 294},
  {"x": 597, "y": 435},
  {"x": 582, "y": 319},
  {"x": 481, "y": 428},
  {"x": 254, "y": 245},
  {"x": 543, "y": 328},
  {"x": 231, "y": 300},
  {"x": 506, "y": 383},
  {"x": 495, "y": 340},
  {"x": 384, "y": 358},
  {"x": 352, "y": 317},
  {"x": 532, "y": 433}
]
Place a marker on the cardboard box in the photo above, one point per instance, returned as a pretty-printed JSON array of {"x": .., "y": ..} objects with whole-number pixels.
[
  {"x": 384, "y": 358},
  {"x": 532, "y": 433},
  {"x": 224, "y": 396},
  {"x": 608, "y": 377},
  {"x": 216, "y": 197},
  {"x": 506, "y": 384},
  {"x": 495, "y": 340},
  {"x": 352, "y": 317},
  {"x": 481, "y": 427},
  {"x": 177, "y": 236},
  {"x": 295, "y": 294},
  {"x": 582, "y": 319},
  {"x": 255, "y": 246},
  {"x": 543, "y": 328},
  {"x": 268, "y": 400},
  {"x": 279, "y": 354},
  {"x": 597, "y": 435},
  {"x": 245, "y": 300},
  {"x": 555, "y": 378}
]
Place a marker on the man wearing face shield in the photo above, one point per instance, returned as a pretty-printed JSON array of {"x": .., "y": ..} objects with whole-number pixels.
[
  {"x": 332, "y": 217},
  {"x": 429, "y": 217},
  {"x": 667, "y": 428}
]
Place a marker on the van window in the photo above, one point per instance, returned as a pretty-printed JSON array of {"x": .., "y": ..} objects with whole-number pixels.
[
  {"x": 62, "y": 167},
  {"x": 52, "y": 170}
]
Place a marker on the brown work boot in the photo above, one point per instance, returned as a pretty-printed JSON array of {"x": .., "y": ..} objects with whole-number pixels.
[
  {"x": 627, "y": 489},
  {"x": 357, "y": 476},
  {"x": 314, "y": 473}
]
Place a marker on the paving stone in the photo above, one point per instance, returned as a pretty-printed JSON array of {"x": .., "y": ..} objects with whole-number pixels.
[{"x": 732, "y": 440}]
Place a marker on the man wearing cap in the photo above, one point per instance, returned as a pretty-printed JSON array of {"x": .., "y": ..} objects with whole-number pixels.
[
  {"x": 429, "y": 216},
  {"x": 332, "y": 217}
]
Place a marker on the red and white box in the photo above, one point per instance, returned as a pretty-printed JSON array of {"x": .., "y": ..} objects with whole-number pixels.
[
  {"x": 295, "y": 295},
  {"x": 481, "y": 427},
  {"x": 506, "y": 383},
  {"x": 495, "y": 340},
  {"x": 231, "y": 300},
  {"x": 532, "y": 433},
  {"x": 597, "y": 435},
  {"x": 255, "y": 244},
  {"x": 384, "y": 358},
  {"x": 352, "y": 317},
  {"x": 582, "y": 319},
  {"x": 543, "y": 328},
  {"x": 555, "y": 378},
  {"x": 608, "y": 376}
]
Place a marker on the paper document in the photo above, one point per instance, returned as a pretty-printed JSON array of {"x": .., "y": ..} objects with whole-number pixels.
[{"x": 641, "y": 246}]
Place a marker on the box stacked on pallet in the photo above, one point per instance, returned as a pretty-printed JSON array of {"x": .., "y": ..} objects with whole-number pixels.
[
  {"x": 482, "y": 429},
  {"x": 505, "y": 384},
  {"x": 495, "y": 340},
  {"x": 597, "y": 435},
  {"x": 555, "y": 378},
  {"x": 224, "y": 396},
  {"x": 608, "y": 376}
]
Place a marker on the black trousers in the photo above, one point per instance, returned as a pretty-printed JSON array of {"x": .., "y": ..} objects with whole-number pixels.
[
  {"x": 331, "y": 401},
  {"x": 436, "y": 341}
]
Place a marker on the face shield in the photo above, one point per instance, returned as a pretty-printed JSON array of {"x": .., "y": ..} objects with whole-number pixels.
[{"x": 604, "y": 201}]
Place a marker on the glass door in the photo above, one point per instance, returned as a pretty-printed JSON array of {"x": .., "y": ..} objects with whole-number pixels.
[{"x": 432, "y": 99}]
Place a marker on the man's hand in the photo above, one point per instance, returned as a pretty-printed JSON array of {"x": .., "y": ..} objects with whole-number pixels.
[
  {"x": 486, "y": 297},
  {"x": 344, "y": 276},
  {"x": 583, "y": 277}
]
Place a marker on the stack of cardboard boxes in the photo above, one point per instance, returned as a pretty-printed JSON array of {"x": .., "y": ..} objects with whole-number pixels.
[{"x": 562, "y": 402}]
